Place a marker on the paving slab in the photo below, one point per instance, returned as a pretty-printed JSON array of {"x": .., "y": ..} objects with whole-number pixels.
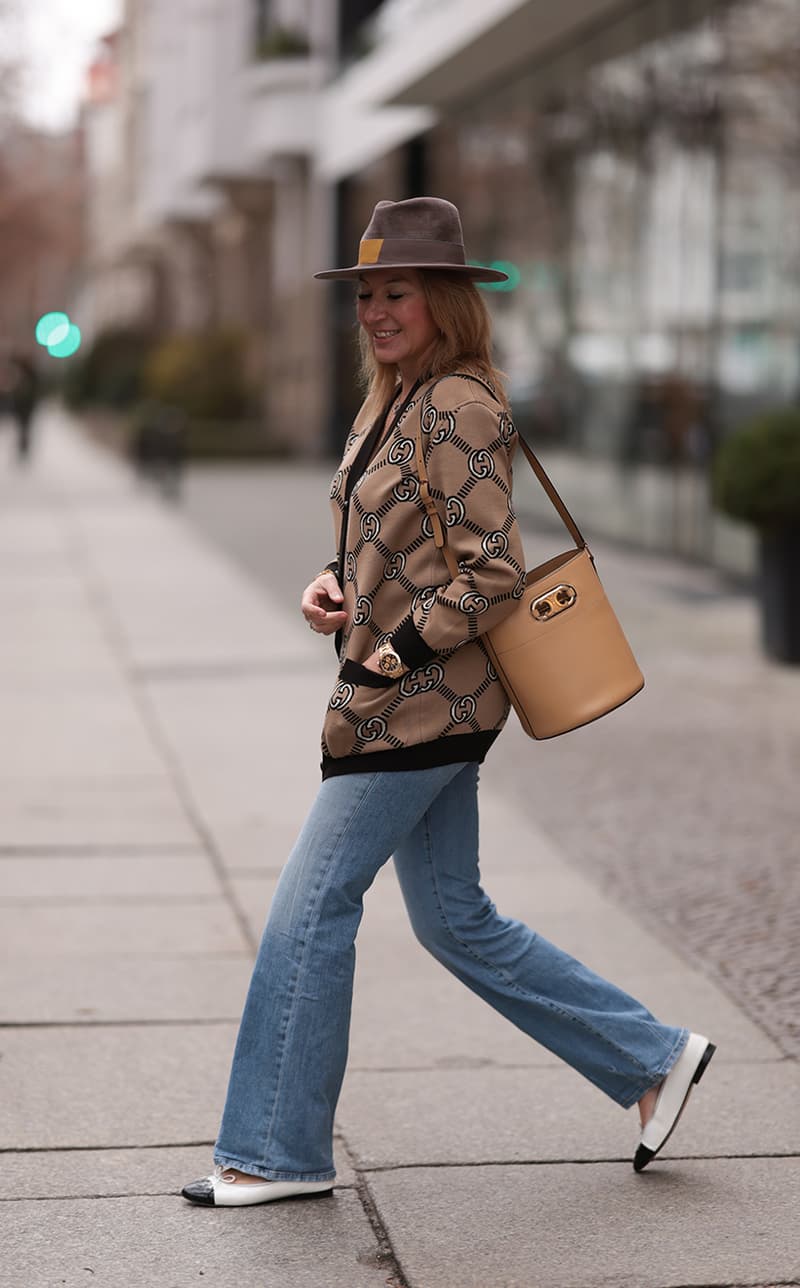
[
  {"x": 409, "y": 1013},
  {"x": 139, "y": 553},
  {"x": 69, "y": 729},
  {"x": 35, "y": 609},
  {"x": 552, "y": 1114},
  {"x": 79, "y": 810},
  {"x": 224, "y": 731},
  {"x": 84, "y": 472},
  {"x": 29, "y": 532},
  {"x": 99, "y": 1173},
  {"x": 681, "y": 1224},
  {"x": 114, "y": 1173},
  {"x": 254, "y": 840},
  {"x": 97, "y": 876},
  {"x": 79, "y": 737},
  {"x": 174, "y": 925},
  {"x": 167, "y": 1243},
  {"x": 95, "y": 1087},
  {"x": 128, "y": 988}
]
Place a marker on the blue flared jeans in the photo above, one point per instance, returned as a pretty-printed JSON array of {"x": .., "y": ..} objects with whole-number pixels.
[{"x": 291, "y": 1050}]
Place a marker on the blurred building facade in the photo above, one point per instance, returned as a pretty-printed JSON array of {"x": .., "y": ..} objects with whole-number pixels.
[
  {"x": 41, "y": 227},
  {"x": 205, "y": 210},
  {"x": 637, "y": 165}
]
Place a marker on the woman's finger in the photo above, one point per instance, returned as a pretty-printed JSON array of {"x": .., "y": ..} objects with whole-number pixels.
[{"x": 331, "y": 622}]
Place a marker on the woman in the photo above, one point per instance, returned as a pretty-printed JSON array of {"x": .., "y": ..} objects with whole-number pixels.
[{"x": 414, "y": 711}]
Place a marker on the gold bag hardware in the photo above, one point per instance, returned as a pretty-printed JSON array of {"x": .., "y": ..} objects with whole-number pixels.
[{"x": 555, "y": 601}]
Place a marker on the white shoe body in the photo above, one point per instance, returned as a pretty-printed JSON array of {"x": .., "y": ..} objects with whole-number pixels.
[
  {"x": 223, "y": 1189},
  {"x": 672, "y": 1097}
]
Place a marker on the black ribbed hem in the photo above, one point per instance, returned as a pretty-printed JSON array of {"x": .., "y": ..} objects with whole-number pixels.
[
  {"x": 412, "y": 648},
  {"x": 425, "y": 755}
]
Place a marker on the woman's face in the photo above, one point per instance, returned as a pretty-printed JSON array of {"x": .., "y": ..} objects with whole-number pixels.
[{"x": 393, "y": 311}]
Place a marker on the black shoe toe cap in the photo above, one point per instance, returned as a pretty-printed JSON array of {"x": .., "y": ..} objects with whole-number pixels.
[
  {"x": 641, "y": 1158},
  {"x": 200, "y": 1192}
]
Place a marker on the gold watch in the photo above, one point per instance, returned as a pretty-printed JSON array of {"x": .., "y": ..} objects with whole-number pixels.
[{"x": 389, "y": 661}]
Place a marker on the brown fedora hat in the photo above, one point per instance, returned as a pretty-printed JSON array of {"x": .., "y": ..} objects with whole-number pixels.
[{"x": 423, "y": 232}]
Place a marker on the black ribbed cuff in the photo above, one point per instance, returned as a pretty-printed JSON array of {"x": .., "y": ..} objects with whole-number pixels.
[{"x": 412, "y": 648}]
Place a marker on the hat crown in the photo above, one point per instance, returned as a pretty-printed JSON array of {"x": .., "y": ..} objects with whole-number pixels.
[{"x": 429, "y": 219}]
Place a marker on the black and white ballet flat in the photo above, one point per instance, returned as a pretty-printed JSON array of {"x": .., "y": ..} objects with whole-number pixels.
[
  {"x": 672, "y": 1097},
  {"x": 222, "y": 1189}
]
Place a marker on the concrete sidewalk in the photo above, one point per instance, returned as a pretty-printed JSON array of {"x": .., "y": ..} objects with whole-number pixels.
[{"x": 161, "y": 720}]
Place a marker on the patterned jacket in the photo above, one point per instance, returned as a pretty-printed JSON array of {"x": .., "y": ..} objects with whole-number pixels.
[{"x": 450, "y": 706}]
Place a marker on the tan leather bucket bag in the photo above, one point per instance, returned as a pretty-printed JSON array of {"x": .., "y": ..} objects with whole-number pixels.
[{"x": 561, "y": 654}]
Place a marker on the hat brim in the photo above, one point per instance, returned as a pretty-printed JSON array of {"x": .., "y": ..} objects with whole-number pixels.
[{"x": 473, "y": 271}]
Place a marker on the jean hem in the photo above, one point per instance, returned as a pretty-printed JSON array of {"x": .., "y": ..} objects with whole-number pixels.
[
  {"x": 271, "y": 1173},
  {"x": 660, "y": 1074}
]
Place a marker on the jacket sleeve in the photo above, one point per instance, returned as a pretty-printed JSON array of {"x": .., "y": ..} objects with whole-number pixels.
[{"x": 468, "y": 461}]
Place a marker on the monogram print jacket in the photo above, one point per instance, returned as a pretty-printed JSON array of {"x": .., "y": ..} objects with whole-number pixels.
[{"x": 450, "y": 706}]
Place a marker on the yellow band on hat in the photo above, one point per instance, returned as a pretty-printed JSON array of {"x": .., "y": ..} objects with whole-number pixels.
[{"x": 369, "y": 250}]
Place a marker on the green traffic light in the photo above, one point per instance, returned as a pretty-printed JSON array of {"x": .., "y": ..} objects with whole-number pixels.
[
  {"x": 52, "y": 328},
  {"x": 70, "y": 343}
]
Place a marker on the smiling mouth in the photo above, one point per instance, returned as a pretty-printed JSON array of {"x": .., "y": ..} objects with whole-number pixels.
[{"x": 384, "y": 335}]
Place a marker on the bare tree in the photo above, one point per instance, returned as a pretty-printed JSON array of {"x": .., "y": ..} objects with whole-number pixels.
[{"x": 10, "y": 57}]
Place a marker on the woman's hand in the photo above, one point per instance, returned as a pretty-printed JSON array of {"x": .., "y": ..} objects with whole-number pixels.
[{"x": 321, "y": 605}]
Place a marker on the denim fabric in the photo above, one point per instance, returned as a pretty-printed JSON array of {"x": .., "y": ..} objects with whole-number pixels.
[{"x": 292, "y": 1047}]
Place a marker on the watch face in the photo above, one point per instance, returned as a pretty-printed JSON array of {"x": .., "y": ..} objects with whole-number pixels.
[{"x": 390, "y": 662}]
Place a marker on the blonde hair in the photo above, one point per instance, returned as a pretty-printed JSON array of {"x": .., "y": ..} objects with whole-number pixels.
[{"x": 464, "y": 342}]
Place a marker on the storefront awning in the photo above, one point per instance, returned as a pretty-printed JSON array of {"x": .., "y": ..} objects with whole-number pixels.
[{"x": 462, "y": 47}]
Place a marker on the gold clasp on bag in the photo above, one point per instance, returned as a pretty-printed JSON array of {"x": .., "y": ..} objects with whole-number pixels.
[{"x": 555, "y": 601}]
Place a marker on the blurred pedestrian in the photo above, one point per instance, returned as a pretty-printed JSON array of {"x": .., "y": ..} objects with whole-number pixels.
[
  {"x": 23, "y": 394},
  {"x": 415, "y": 708},
  {"x": 158, "y": 445}
]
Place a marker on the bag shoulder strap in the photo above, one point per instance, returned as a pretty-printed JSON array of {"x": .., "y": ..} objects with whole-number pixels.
[
  {"x": 547, "y": 483},
  {"x": 439, "y": 536}
]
